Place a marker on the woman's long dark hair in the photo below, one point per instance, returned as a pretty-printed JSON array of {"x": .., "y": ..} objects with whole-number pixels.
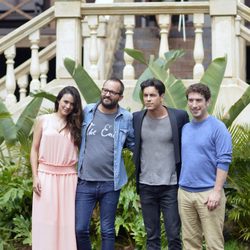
[{"x": 75, "y": 118}]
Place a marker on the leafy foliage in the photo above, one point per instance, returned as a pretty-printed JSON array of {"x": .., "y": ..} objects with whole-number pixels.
[
  {"x": 15, "y": 199},
  {"x": 129, "y": 221},
  {"x": 238, "y": 183},
  {"x": 15, "y": 176},
  {"x": 85, "y": 83},
  {"x": 175, "y": 89},
  {"x": 213, "y": 77},
  {"x": 236, "y": 108}
]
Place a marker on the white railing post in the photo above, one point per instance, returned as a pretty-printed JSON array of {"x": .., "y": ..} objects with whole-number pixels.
[
  {"x": 34, "y": 65},
  {"x": 44, "y": 68},
  {"x": 86, "y": 44},
  {"x": 93, "y": 52},
  {"x": 68, "y": 34},
  {"x": 23, "y": 83},
  {"x": 128, "y": 71},
  {"x": 198, "y": 53},
  {"x": 223, "y": 32},
  {"x": 102, "y": 34},
  {"x": 240, "y": 49},
  {"x": 10, "y": 54},
  {"x": 164, "y": 23}
]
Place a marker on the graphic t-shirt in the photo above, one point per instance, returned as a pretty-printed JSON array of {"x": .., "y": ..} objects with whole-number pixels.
[{"x": 99, "y": 150}]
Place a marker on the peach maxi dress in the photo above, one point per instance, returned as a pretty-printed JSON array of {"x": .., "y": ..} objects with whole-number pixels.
[{"x": 53, "y": 213}]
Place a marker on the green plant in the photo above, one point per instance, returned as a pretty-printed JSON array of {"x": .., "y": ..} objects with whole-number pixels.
[
  {"x": 15, "y": 201},
  {"x": 129, "y": 223},
  {"x": 15, "y": 175},
  {"x": 238, "y": 209},
  {"x": 175, "y": 90}
]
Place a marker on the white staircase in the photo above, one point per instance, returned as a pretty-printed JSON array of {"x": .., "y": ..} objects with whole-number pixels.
[{"x": 95, "y": 30}]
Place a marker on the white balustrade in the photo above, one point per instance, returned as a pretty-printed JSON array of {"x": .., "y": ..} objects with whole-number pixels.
[
  {"x": 44, "y": 68},
  {"x": 10, "y": 54},
  {"x": 23, "y": 83},
  {"x": 93, "y": 52},
  {"x": 34, "y": 65},
  {"x": 128, "y": 71},
  {"x": 198, "y": 53},
  {"x": 164, "y": 22}
]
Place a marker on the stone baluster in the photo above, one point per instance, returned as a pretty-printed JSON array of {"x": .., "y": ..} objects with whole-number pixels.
[
  {"x": 164, "y": 23},
  {"x": 44, "y": 68},
  {"x": 128, "y": 71},
  {"x": 34, "y": 65},
  {"x": 101, "y": 37},
  {"x": 93, "y": 52},
  {"x": 198, "y": 53},
  {"x": 240, "y": 48},
  {"x": 10, "y": 54},
  {"x": 23, "y": 83}
]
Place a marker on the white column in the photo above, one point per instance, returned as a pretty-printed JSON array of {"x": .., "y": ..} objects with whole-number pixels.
[
  {"x": 101, "y": 38},
  {"x": 23, "y": 83},
  {"x": 93, "y": 52},
  {"x": 44, "y": 68},
  {"x": 34, "y": 65},
  {"x": 240, "y": 51},
  {"x": 223, "y": 32},
  {"x": 10, "y": 54},
  {"x": 128, "y": 71},
  {"x": 164, "y": 23},
  {"x": 198, "y": 69},
  {"x": 86, "y": 44},
  {"x": 68, "y": 34}
]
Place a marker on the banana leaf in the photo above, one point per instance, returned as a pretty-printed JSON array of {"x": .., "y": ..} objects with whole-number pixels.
[
  {"x": 26, "y": 119},
  {"x": 175, "y": 89},
  {"x": 236, "y": 109},
  {"x": 7, "y": 126},
  {"x": 44, "y": 94},
  {"x": 213, "y": 77},
  {"x": 86, "y": 85}
]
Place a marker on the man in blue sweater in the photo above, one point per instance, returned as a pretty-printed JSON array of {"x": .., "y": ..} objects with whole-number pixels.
[{"x": 206, "y": 155}]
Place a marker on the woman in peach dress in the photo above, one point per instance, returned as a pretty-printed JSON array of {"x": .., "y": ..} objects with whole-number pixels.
[{"x": 54, "y": 155}]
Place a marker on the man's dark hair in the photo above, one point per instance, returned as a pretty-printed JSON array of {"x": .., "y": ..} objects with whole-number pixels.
[
  {"x": 199, "y": 88},
  {"x": 153, "y": 82}
]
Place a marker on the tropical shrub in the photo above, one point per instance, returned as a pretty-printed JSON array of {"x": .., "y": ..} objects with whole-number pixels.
[
  {"x": 15, "y": 205},
  {"x": 175, "y": 89},
  {"x": 15, "y": 176},
  {"x": 238, "y": 190}
]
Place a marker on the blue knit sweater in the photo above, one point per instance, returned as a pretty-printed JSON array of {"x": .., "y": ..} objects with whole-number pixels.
[{"x": 206, "y": 146}]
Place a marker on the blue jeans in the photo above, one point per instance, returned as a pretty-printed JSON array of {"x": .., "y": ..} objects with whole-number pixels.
[
  {"x": 88, "y": 193},
  {"x": 154, "y": 200}
]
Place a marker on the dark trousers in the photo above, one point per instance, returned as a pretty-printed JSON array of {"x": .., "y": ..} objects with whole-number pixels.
[
  {"x": 88, "y": 193},
  {"x": 154, "y": 200}
]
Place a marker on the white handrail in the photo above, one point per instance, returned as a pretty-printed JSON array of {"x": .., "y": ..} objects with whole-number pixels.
[
  {"x": 145, "y": 8},
  {"x": 26, "y": 29}
]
